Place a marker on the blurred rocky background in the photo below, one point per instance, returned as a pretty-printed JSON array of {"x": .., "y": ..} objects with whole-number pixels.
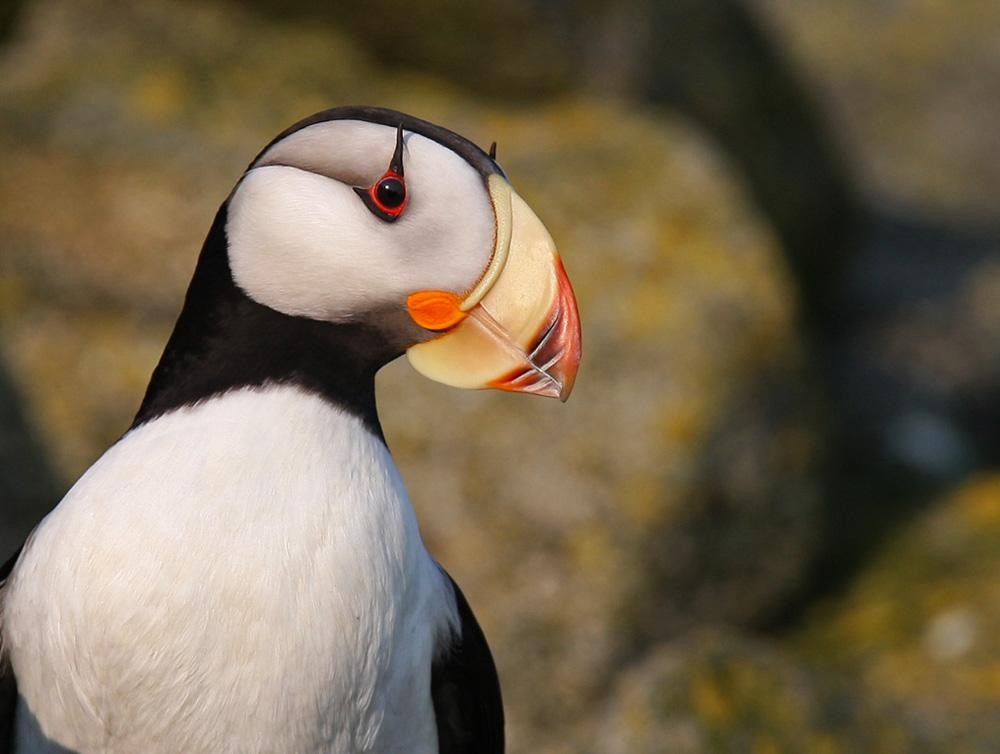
[{"x": 768, "y": 520}]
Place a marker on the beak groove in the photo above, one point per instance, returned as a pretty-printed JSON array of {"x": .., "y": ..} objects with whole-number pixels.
[{"x": 549, "y": 369}]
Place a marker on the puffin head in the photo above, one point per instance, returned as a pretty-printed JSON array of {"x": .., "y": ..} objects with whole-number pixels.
[{"x": 372, "y": 218}]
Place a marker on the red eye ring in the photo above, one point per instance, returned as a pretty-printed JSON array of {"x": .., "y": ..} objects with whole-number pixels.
[
  {"x": 387, "y": 197},
  {"x": 389, "y": 193}
]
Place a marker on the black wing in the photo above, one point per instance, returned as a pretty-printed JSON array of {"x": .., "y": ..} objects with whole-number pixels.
[
  {"x": 466, "y": 690},
  {"x": 8, "y": 684}
]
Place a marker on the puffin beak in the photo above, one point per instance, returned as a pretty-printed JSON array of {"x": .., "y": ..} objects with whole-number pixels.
[{"x": 518, "y": 329}]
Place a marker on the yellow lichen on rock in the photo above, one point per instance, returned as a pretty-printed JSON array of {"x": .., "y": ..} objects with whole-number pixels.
[{"x": 922, "y": 627}]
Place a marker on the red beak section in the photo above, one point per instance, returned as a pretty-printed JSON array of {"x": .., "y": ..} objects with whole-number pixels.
[{"x": 550, "y": 367}]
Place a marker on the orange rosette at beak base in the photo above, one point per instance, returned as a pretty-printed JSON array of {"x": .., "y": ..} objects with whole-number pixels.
[
  {"x": 519, "y": 327},
  {"x": 435, "y": 310}
]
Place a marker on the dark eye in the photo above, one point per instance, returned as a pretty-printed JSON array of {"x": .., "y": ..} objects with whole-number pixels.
[
  {"x": 386, "y": 198},
  {"x": 391, "y": 193}
]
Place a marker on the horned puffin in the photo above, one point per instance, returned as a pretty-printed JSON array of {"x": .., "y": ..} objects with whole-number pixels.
[{"x": 243, "y": 571}]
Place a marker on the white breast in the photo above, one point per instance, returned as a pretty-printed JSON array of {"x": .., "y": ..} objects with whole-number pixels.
[{"x": 242, "y": 576}]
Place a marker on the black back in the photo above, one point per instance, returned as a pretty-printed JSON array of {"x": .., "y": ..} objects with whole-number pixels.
[{"x": 465, "y": 690}]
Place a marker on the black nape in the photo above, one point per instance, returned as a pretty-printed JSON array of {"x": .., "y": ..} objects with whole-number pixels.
[{"x": 225, "y": 340}]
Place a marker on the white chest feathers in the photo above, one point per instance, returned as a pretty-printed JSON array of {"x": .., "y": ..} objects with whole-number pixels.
[{"x": 242, "y": 576}]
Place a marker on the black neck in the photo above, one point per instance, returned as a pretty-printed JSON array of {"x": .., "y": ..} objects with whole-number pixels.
[{"x": 225, "y": 340}]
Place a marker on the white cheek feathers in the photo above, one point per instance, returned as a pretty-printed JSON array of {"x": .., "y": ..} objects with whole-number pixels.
[
  {"x": 297, "y": 243},
  {"x": 303, "y": 243}
]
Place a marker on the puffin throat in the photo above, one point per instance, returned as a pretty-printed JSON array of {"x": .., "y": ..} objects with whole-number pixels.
[{"x": 224, "y": 340}]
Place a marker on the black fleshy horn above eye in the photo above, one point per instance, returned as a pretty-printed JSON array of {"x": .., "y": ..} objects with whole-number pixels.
[
  {"x": 396, "y": 166},
  {"x": 493, "y": 151},
  {"x": 387, "y": 197}
]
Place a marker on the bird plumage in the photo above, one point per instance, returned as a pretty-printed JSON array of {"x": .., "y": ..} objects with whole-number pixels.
[
  {"x": 242, "y": 571},
  {"x": 221, "y": 574}
]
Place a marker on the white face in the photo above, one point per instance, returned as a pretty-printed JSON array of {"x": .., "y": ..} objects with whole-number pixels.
[{"x": 302, "y": 242}]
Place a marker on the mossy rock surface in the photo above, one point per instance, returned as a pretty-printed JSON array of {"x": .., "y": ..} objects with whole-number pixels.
[
  {"x": 911, "y": 89},
  {"x": 578, "y": 532},
  {"x": 921, "y": 629},
  {"x": 718, "y": 692}
]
